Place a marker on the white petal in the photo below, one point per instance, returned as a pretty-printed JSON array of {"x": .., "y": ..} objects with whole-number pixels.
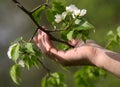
[
  {"x": 73, "y": 15},
  {"x": 76, "y": 12},
  {"x": 64, "y": 14},
  {"x": 71, "y": 8},
  {"x": 58, "y": 18},
  {"x": 83, "y": 12},
  {"x": 21, "y": 62}
]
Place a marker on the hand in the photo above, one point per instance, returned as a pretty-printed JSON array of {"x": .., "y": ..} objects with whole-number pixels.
[{"x": 82, "y": 54}]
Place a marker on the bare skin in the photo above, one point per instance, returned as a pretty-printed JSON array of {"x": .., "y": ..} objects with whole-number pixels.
[{"x": 88, "y": 53}]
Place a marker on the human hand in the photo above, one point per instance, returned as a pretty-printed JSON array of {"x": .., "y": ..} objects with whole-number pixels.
[{"x": 82, "y": 53}]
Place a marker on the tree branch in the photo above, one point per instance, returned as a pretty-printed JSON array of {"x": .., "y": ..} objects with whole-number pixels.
[
  {"x": 57, "y": 30},
  {"x": 48, "y": 70},
  {"x": 28, "y": 13},
  {"x": 38, "y": 26}
]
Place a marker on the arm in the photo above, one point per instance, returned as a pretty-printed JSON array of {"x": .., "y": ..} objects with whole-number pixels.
[
  {"x": 88, "y": 53},
  {"x": 109, "y": 61}
]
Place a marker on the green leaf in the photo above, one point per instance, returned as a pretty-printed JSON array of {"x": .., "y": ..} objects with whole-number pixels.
[
  {"x": 38, "y": 13},
  {"x": 64, "y": 35},
  {"x": 50, "y": 16},
  {"x": 85, "y": 25},
  {"x": 15, "y": 73},
  {"x": 62, "y": 47},
  {"x": 58, "y": 7},
  {"x": 86, "y": 76},
  {"x": 44, "y": 82},
  {"x": 29, "y": 47},
  {"x": 110, "y": 33},
  {"x": 30, "y": 60},
  {"x": 118, "y": 31},
  {"x": 70, "y": 35},
  {"x": 15, "y": 52},
  {"x": 55, "y": 80}
]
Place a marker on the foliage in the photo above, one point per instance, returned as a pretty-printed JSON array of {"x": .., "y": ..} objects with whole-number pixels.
[
  {"x": 54, "y": 80},
  {"x": 86, "y": 76},
  {"x": 114, "y": 38},
  {"x": 71, "y": 24},
  {"x": 24, "y": 55}
]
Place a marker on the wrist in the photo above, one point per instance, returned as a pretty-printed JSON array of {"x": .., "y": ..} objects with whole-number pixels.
[{"x": 99, "y": 57}]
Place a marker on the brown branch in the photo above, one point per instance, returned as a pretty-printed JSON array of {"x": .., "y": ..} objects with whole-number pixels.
[
  {"x": 33, "y": 35},
  {"x": 38, "y": 26},
  {"x": 28, "y": 13},
  {"x": 48, "y": 70}
]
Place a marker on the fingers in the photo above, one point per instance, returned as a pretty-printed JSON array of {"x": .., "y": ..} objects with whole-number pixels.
[{"x": 42, "y": 41}]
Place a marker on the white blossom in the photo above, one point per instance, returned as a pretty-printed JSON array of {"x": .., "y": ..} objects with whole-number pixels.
[
  {"x": 10, "y": 50},
  {"x": 21, "y": 62},
  {"x": 76, "y": 13},
  {"x": 64, "y": 14},
  {"x": 79, "y": 13},
  {"x": 58, "y": 18},
  {"x": 83, "y": 12},
  {"x": 71, "y": 8}
]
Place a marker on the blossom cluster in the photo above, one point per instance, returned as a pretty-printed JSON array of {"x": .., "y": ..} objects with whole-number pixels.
[{"x": 75, "y": 12}]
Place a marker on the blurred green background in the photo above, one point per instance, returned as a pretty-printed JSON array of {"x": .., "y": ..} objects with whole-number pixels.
[{"x": 103, "y": 14}]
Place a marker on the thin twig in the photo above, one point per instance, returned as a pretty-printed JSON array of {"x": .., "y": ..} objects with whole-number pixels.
[
  {"x": 33, "y": 35},
  {"x": 108, "y": 44},
  {"x": 57, "y": 30},
  {"x": 48, "y": 70},
  {"x": 36, "y": 8}
]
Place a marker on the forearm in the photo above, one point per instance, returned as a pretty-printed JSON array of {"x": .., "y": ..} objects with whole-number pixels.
[{"x": 109, "y": 61}]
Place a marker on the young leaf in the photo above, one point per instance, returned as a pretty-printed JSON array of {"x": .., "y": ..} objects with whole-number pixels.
[
  {"x": 110, "y": 33},
  {"x": 28, "y": 61},
  {"x": 37, "y": 13},
  {"x": 55, "y": 80},
  {"x": 58, "y": 7},
  {"x": 29, "y": 47},
  {"x": 15, "y": 52},
  {"x": 15, "y": 73},
  {"x": 86, "y": 76},
  {"x": 50, "y": 16},
  {"x": 70, "y": 35},
  {"x": 118, "y": 31},
  {"x": 44, "y": 82},
  {"x": 84, "y": 25}
]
